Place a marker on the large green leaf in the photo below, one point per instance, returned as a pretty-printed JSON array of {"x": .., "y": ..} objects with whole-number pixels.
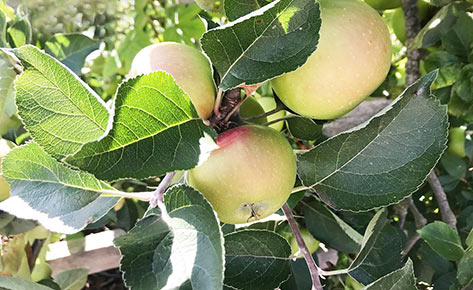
[
  {"x": 61, "y": 199},
  {"x": 383, "y": 160},
  {"x": 380, "y": 252},
  {"x": 402, "y": 279},
  {"x": 7, "y": 92},
  {"x": 59, "y": 110},
  {"x": 256, "y": 260},
  {"x": 443, "y": 240},
  {"x": 465, "y": 269},
  {"x": 71, "y": 49},
  {"x": 155, "y": 130},
  {"x": 235, "y": 9},
  {"x": 273, "y": 40},
  {"x": 328, "y": 228},
  {"x": 181, "y": 249},
  {"x": 8, "y": 283}
]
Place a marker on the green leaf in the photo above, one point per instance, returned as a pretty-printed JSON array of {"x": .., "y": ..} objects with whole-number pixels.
[
  {"x": 454, "y": 165},
  {"x": 443, "y": 240},
  {"x": 7, "y": 91},
  {"x": 177, "y": 250},
  {"x": 19, "y": 33},
  {"x": 465, "y": 269},
  {"x": 459, "y": 38},
  {"x": 449, "y": 68},
  {"x": 303, "y": 128},
  {"x": 59, "y": 110},
  {"x": 155, "y": 130},
  {"x": 9, "y": 283},
  {"x": 3, "y": 29},
  {"x": 328, "y": 228},
  {"x": 134, "y": 41},
  {"x": 464, "y": 86},
  {"x": 401, "y": 279},
  {"x": 380, "y": 252},
  {"x": 383, "y": 160},
  {"x": 244, "y": 51},
  {"x": 72, "y": 280},
  {"x": 61, "y": 199},
  {"x": 469, "y": 240},
  {"x": 71, "y": 49},
  {"x": 235, "y": 9},
  {"x": 186, "y": 25},
  {"x": 256, "y": 260}
]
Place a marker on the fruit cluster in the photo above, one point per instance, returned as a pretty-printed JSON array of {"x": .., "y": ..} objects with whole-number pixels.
[{"x": 253, "y": 170}]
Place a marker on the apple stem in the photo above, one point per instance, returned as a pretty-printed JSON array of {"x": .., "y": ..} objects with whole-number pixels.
[
  {"x": 218, "y": 101},
  {"x": 159, "y": 192},
  {"x": 313, "y": 268},
  {"x": 260, "y": 116},
  {"x": 233, "y": 111},
  {"x": 289, "y": 116}
]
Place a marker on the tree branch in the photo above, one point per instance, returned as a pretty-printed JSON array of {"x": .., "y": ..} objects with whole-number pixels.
[
  {"x": 313, "y": 269},
  {"x": 447, "y": 214},
  {"x": 419, "y": 219},
  {"x": 411, "y": 17}
]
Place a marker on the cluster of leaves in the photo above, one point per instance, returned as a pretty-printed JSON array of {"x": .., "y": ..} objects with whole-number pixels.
[{"x": 84, "y": 155}]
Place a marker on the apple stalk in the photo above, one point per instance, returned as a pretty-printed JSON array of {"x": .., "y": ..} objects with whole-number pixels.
[{"x": 313, "y": 268}]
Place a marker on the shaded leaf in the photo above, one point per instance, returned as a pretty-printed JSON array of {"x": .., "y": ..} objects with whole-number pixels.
[
  {"x": 71, "y": 49},
  {"x": 465, "y": 269},
  {"x": 443, "y": 240},
  {"x": 72, "y": 279},
  {"x": 7, "y": 92},
  {"x": 256, "y": 260},
  {"x": 59, "y": 110},
  {"x": 303, "y": 128},
  {"x": 328, "y": 228},
  {"x": 383, "y": 160},
  {"x": 402, "y": 279},
  {"x": 380, "y": 252},
  {"x": 273, "y": 40},
  {"x": 177, "y": 250},
  {"x": 61, "y": 199},
  {"x": 3, "y": 29},
  {"x": 9, "y": 283},
  {"x": 235, "y": 9},
  {"x": 19, "y": 33},
  {"x": 155, "y": 130}
]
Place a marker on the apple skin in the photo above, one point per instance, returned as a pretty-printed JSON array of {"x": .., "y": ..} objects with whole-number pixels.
[
  {"x": 251, "y": 107},
  {"x": 456, "y": 141},
  {"x": 311, "y": 243},
  {"x": 188, "y": 66},
  {"x": 384, "y": 4},
  {"x": 253, "y": 170},
  {"x": 352, "y": 59}
]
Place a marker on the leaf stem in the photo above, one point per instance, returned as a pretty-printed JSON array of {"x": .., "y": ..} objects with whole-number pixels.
[
  {"x": 158, "y": 193},
  {"x": 447, "y": 214},
  {"x": 288, "y": 116},
  {"x": 260, "y": 116},
  {"x": 313, "y": 269}
]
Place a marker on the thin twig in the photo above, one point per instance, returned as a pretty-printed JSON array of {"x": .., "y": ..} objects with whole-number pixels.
[
  {"x": 447, "y": 214},
  {"x": 158, "y": 193},
  {"x": 410, "y": 244},
  {"x": 419, "y": 219},
  {"x": 313, "y": 269}
]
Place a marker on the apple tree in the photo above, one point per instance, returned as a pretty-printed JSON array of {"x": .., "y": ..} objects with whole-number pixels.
[{"x": 287, "y": 144}]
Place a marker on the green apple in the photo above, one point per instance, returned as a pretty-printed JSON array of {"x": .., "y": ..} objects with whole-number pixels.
[
  {"x": 211, "y": 5},
  {"x": 399, "y": 24},
  {"x": 249, "y": 176},
  {"x": 251, "y": 107},
  {"x": 456, "y": 141},
  {"x": 189, "y": 67},
  {"x": 384, "y": 4},
  {"x": 352, "y": 59},
  {"x": 311, "y": 243},
  {"x": 268, "y": 104}
]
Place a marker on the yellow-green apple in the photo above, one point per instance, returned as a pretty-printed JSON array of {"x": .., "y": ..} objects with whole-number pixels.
[
  {"x": 384, "y": 4},
  {"x": 352, "y": 59},
  {"x": 311, "y": 243},
  {"x": 456, "y": 141},
  {"x": 189, "y": 67},
  {"x": 249, "y": 176},
  {"x": 250, "y": 108}
]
